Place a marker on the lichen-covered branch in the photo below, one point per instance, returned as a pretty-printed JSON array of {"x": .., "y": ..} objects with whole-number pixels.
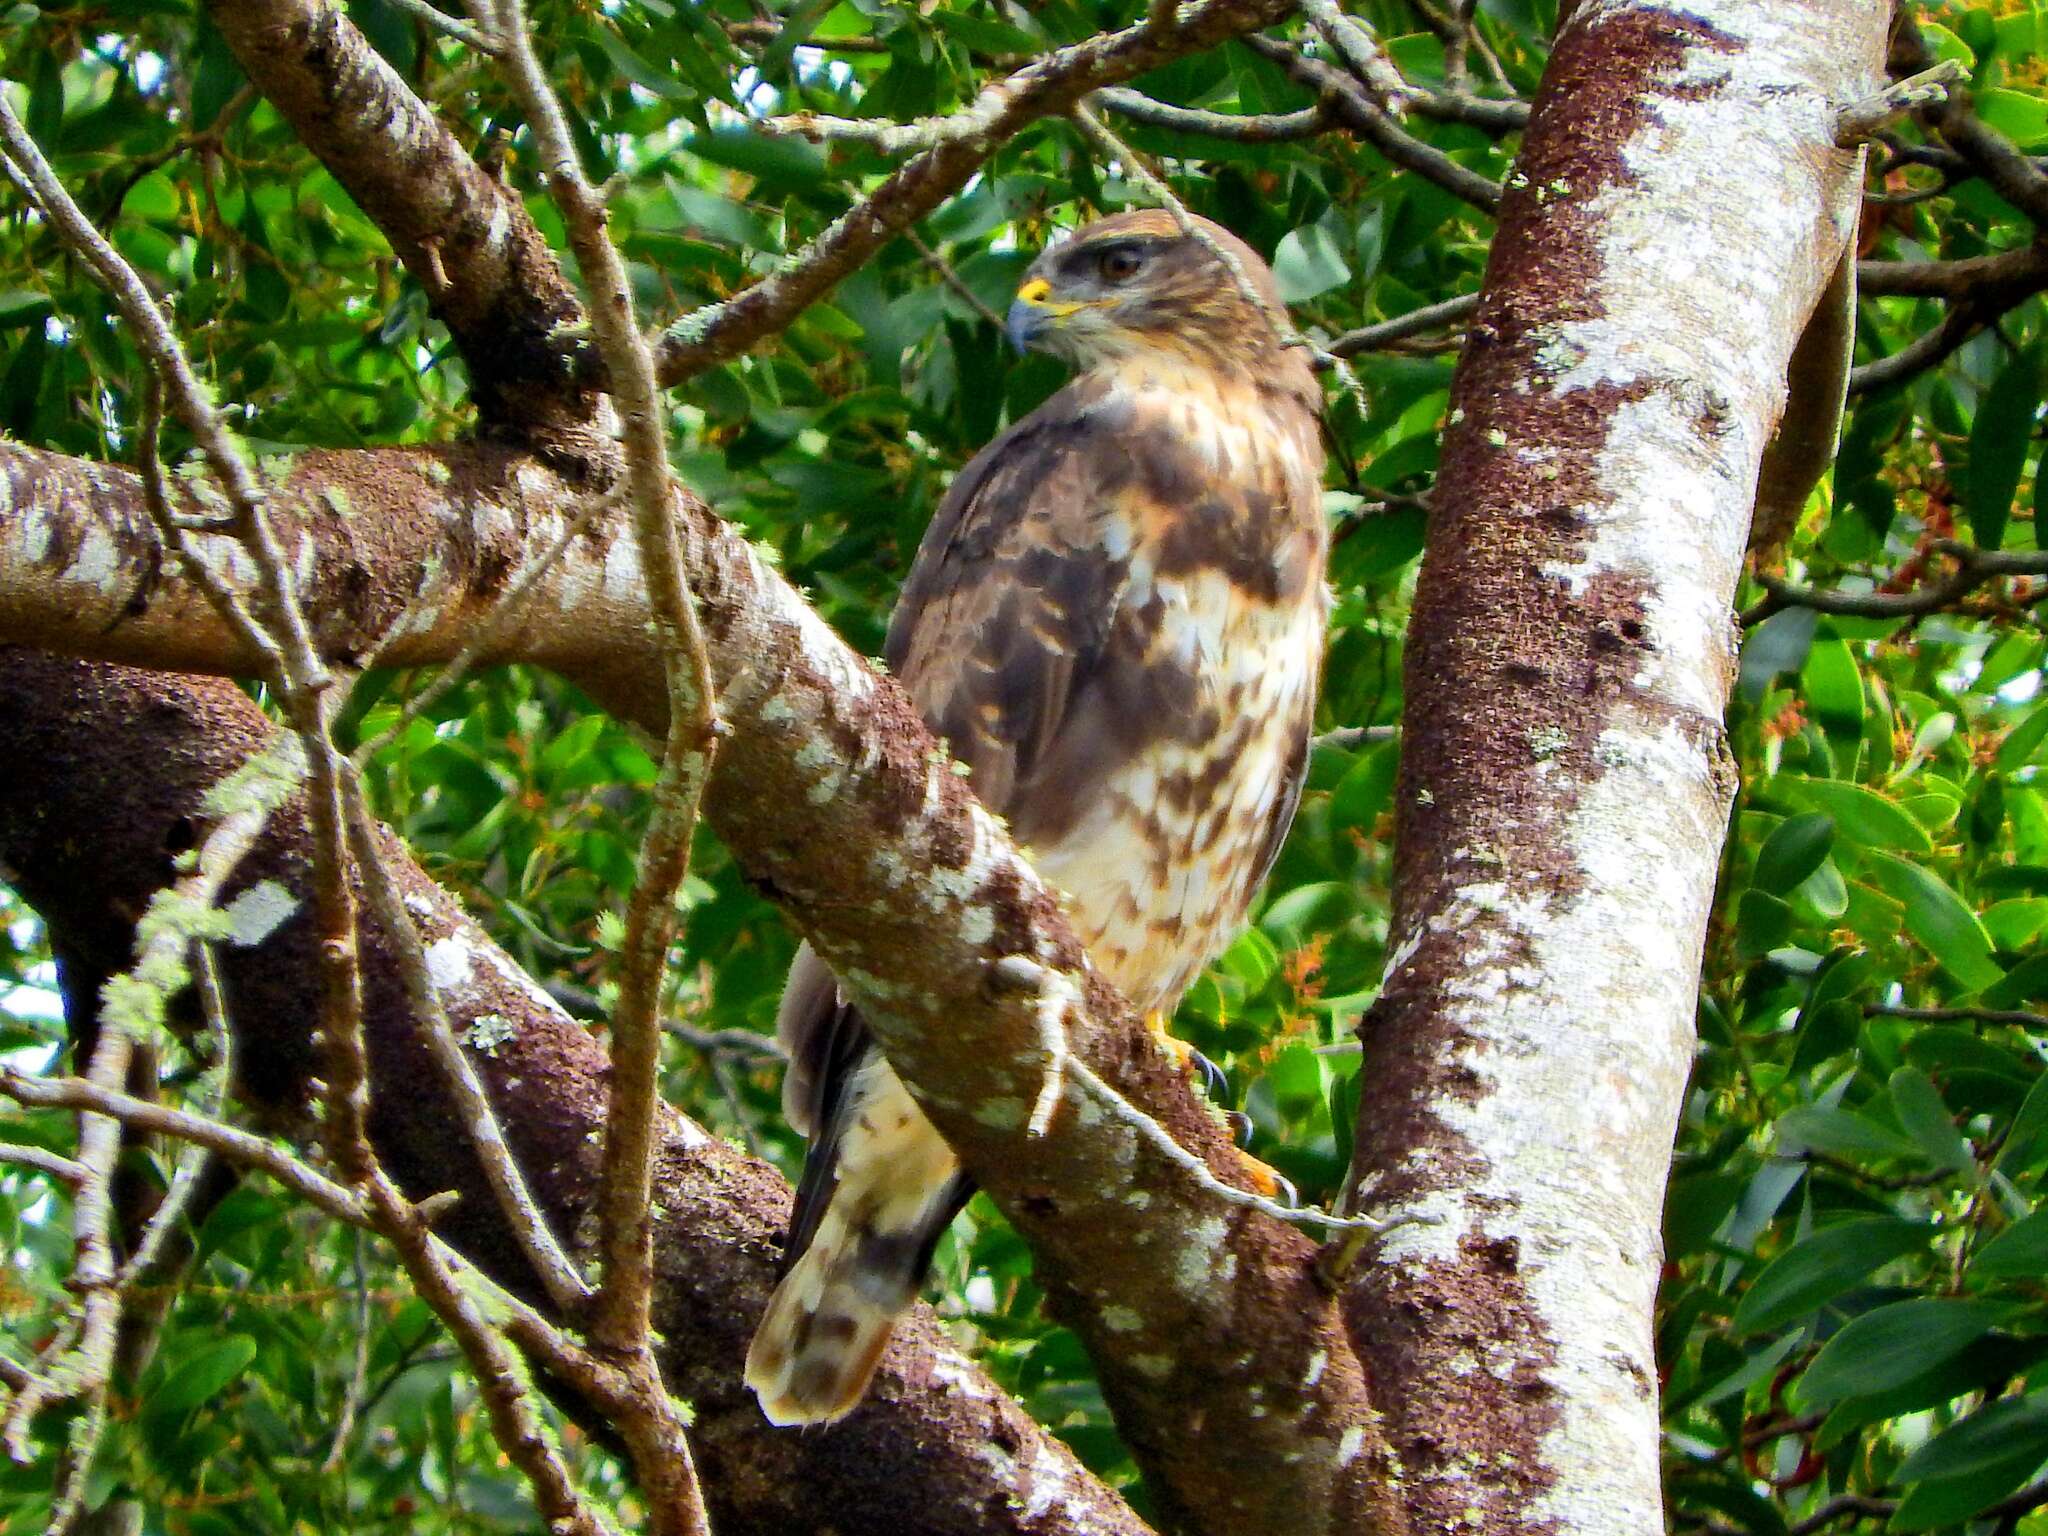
[
  {"x": 1564, "y": 786},
  {"x": 835, "y": 797},
  {"x": 464, "y": 236},
  {"x": 927, "y": 1437}
]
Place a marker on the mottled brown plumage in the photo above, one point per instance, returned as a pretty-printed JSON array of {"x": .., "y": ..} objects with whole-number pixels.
[{"x": 1116, "y": 621}]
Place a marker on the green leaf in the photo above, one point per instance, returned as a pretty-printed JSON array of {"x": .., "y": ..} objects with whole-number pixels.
[
  {"x": 1842, "y": 1133},
  {"x": 2018, "y": 749},
  {"x": 1762, "y": 923},
  {"x": 1823, "y": 896},
  {"x": 985, "y": 34},
  {"x": 1984, "y": 1455},
  {"x": 2002, "y": 430},
  {"x": 200, "y": 1376},
  {"x": 1861, "y": 815},
  {"x": 1832, "y": 684},
  {"x": 1366, "y": 788},
  {"x": 776, "y": 159},
  {"x": 2023, "y": 1143},
  {"x": 1890, "y": 1345},
  {"x": 1940, "y": 920},
  {"x": 1820, "y": 1267},
  {"x": 2019, "y": 115},
  {"x": 1918, "y": 1105},
  {"x": 1308, "y": 263},
  {"x": 2019, "y": 1252},
  {"x": 2023, "y": 983},
  {"x": 1794, "y": 850}
]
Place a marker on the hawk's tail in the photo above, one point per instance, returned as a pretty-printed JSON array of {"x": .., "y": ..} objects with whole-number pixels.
[{"x": 830, "y": 1319}]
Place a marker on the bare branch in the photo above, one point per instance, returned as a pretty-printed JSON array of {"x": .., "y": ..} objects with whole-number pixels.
[
  {"x": 1860, "y": 120},
  {"x": 962, "y": 143},
  {"x": 55, "y": 1164},
  {"x": 1429, "y": 318},
  {"x": 1357, "y": 110},
  {"x": 1963, "y": 321},
  {"x": 565, "y": 1287},
  {"x": 1973, "y": 568},
  {"x": 1237, "y": 127},
  {"x": 1355, "y": 45}
]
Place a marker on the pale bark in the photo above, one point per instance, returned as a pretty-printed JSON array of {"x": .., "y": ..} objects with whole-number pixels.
[
  {"x": 937, "y": 1434},
  {"x": 1675, "y": 213},
  {"x": 1200, "y": 1315}
]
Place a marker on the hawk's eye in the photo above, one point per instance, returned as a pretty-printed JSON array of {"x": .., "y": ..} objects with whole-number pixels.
[{"x": 1119, "y": 263}]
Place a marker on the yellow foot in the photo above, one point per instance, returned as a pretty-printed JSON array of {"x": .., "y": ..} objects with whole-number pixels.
[
  {"x": 1267, "y": 1180},
  {"x": 1186, "y": 1057}
]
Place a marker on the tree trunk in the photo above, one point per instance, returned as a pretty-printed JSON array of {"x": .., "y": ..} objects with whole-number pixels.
[{"x": 1677, "y": 209}]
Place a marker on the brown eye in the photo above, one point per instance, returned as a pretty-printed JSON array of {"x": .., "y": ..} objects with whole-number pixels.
[{"x": 1119, "y": 263}]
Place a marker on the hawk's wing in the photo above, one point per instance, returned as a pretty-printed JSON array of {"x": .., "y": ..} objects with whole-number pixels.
[
  {"x": 1011, "y": 634},
  {"x": 1000, "y": 636}
]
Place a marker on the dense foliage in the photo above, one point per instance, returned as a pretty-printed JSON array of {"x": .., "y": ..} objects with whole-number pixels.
[{"x": 1858, "y": 1229}]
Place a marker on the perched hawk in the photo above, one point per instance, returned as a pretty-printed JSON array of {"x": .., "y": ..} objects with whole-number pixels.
[{"x": 1116, "y": 621}]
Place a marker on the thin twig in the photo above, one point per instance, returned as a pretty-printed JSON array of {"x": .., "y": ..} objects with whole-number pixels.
[
  {"x": 1360, "y": 51},
  {"x": 55, "y": 1164},
  {"x": 655, "y": 1430},
  {"x": 1372, "y": 337},
  {"x": 1234, "y": 127},
  {"x": 1860, "y": 120},
  {"x": 2037, "y": 1022},
  {"x": 952, "y": 279},
  {"x": 522, "y": 1213},
  {"x": 1961, "y": 323},
  {"x": 1356, "y": 109},
  {"x": 515, "y": 1423},
  {"x": 1052, "y": 994},
  {"x": 1973, "y": 568},
  {"x": 878, "y": 134},
  {"x": 131, "y": 1001},
  {"x": 1350, "y": 738},
  {"x": 450, "y": 26},
  {"x": 620, "y": 1321},
  {"x": 359, "y": 1369}
]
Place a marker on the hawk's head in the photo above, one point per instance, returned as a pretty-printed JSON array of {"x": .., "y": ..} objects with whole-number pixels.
[{"x": 1138, "y": 281}]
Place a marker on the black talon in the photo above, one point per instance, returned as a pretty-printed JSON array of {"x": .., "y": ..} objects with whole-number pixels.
[
  {"x": 1240, "y": 1126},
  {"x": 1214, "y": 1082}
]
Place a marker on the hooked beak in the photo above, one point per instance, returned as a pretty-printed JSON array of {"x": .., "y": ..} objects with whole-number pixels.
[{"x": 1034, "y": 313}]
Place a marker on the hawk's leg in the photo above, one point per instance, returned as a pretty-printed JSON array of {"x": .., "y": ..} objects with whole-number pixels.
[{"x": 1265, "y": 1179}]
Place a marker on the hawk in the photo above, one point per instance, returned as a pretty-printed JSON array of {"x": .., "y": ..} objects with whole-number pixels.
[{"x": 1116, "y": 622}]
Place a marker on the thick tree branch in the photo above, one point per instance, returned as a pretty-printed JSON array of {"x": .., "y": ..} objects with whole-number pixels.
[
  {"x": 463, "y": 235},
  {"x": 836, "y": 798},
  {"x": 77, "y": 731}
]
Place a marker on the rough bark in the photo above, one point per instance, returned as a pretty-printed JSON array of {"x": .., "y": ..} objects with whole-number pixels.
[
  {"x": 936, "y": 1436},
  {"x": 1225, "y": 1359},
  {"x": 463, "y": 234},
  {"x": 1673, "y": 218}
]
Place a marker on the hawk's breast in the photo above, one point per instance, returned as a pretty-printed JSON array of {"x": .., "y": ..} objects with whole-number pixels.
[{"x": 1227, "y": 593}]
